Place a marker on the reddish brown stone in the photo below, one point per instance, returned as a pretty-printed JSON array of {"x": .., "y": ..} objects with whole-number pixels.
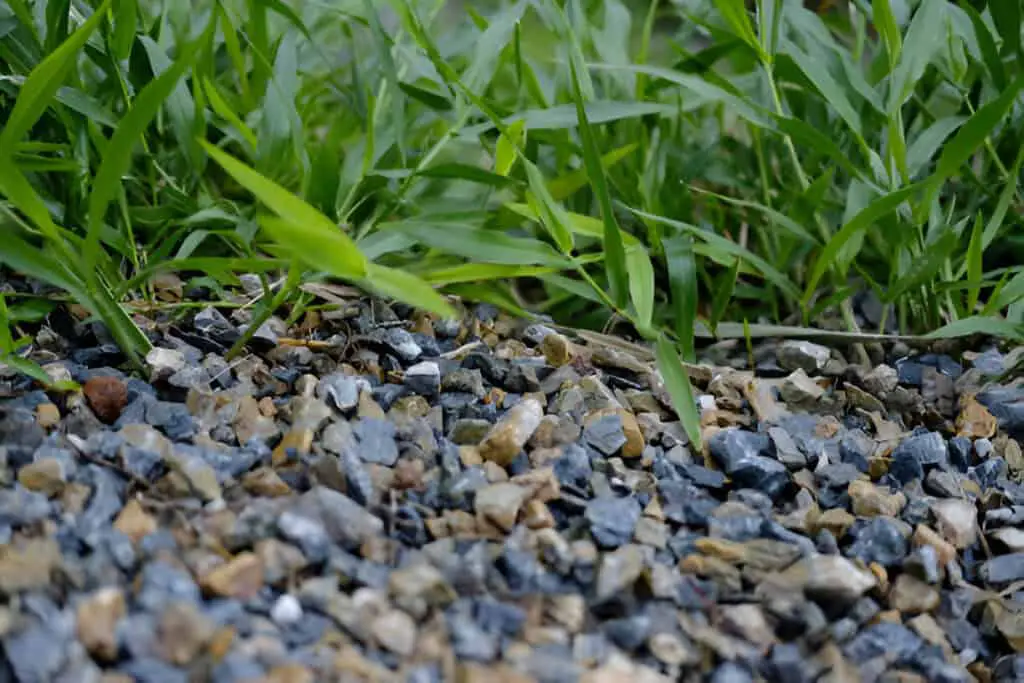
[{"x": 107, "y": 396}]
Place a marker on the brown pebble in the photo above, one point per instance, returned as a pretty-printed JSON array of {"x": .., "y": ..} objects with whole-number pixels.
[
  {"x": 134, "y": 522},
  {"x": 536, "y": 515},
  {"x": 96, "y": 619},
  {"x": 266, "y": 482},
  {"x": 240, "y": 578},
  {"x": 45, "y": 476},
  {"x": 408, "y": 474},
  {"x": 47, "y": 415},
  {"x": 107, "y": 396},
  {"x": 267, "y": 407}
]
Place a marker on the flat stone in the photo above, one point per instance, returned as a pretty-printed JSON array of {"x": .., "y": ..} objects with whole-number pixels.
[
  {"x": 46, "y": 476},
  {"x": 957, "y": 521},
  {"x": 618, "y": 571},
  {"x": 97, "y": 620},
  {"x": 830, "y": 577},
  {"x": 508, "y": 436},
  {"x": 395, "y": 631},
  {"x": 741, "y": 455},
  {"x": 869, "y": 500},
  {"x": 241, "y": 577},
  {"x": 612, "y": 520},
  {"x": 134, "y": 522},
  {"x": 802, "y": 355},
  {"x": 377, "y": 443},
  {"x": 1003, "y": 570},
  {"x": 499, "y": 504},
  {"x": 910, "y": 595},
  {"x": 345, "y": 521},
  {"x": 424, "y": 378},
  {"x": 27, "y": 565}
]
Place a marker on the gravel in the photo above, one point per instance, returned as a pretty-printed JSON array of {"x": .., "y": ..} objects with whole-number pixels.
[{"x": 412, "y": 502}]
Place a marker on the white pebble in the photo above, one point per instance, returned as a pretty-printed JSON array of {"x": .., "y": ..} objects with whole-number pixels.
[{"x": 286, "y": 610}]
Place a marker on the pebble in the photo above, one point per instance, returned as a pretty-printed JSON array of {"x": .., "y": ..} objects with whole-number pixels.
[
  {"x": 107, "y": 396},
  {"x": 508, "y": 436},
  {"x": 387, "y": 507}
]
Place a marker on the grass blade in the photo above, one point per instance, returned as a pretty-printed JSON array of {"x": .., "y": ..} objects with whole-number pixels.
[
  {"x": 829, "y": 255},
  {"x": 678, "y": 385},
  {"x": 313, "y": 235},
  {"x": 117, "y": 155},
  {"x": 478, "y": 244},
  {"x": 974, "y": 264},
  {"x": 615, "y": 253},
  {"x": 37, "y": 93},
  {"x": 682, "y": 276},
  {"x": 973, "y": 133},
  {"x": 641, "y": 287},
  {"x": 407, "y": 288}
]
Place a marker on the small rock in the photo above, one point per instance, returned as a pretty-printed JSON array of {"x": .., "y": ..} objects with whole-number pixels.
[
  {"x": 395, "y": 631},
  {"x": 802, "y": 355},
  {"x": 830, "y": 577},
  {"x": 506, "y": 439},
  {"x": 47, "y": 415},
  {"x": 107, "y": 396},
  {"x": 164, "y": 362},
  {"x": 613, "y": 520},
  {"x": 1001, "y": 571},
  {"x": 957, "y": 521},
  {"x": 424, "y": 378},
  {"x": 286, "y": 610},
  {"x": 912, "y": 596},
  {"x": 97, "y": 620},
  {"x": 45, "y": 476},
  {"x": 134, "y": 522},
  {"x": 241, "y": 578},
  {"x": 557, "y": 349},
  {"x": 499, "y": 504},
  {"x": 869, "y": 500},
  {"x": 619, "y": 570}
]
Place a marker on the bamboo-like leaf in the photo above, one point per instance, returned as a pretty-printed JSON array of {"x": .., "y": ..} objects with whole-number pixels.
[
  {"x": 641, "y": 287},
  {"x": 478, "y": 244},
  {"x": 853, "y": 228},
  {"x": 678, "y": 384},
  {"x": 615, "y": 253},
  {"x": 117, "y": 155},
  {"x": 508, "y": 146},
  {"x": 310, "y": 234},
  {"x": 407, "y": 288},
  {"x": 974, "y": 264},
  {"x": 682, "y": 276},
  {"x": 37, "y": 93}
]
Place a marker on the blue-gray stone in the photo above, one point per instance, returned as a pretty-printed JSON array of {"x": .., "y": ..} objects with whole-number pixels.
[
  {"x": 744, "y": 457},
  {"x": 376, "y": 441},
  {"x": 612, "y": 520},
  {"x": 878, "y": 540},
  {"x": 605, "y": 434},
  {"x": 163, "y": 584}
]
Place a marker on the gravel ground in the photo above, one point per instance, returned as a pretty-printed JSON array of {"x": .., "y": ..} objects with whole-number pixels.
[{"x": 400, "y": 499}]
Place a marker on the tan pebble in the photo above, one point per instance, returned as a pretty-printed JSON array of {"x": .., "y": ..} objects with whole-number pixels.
[
  {"x": 97, "y": 618},
  {"x": 240, "y": 578},
  {"x": 408, "y": 474},
  {"x": 974, "y": 420},
  {"x": 508, "y": 436},
  {"x": 911, "y": 595},
  {"x": 47, "y": 415},
  {"x": 957, "y": 521},
  {"x": 134, "y": 522},
  {"x": 45, "y": 476},
  {"x": 925, "y": 535},
  {"x": 290, "y": 673},
  {"x": 557, "y": 349},
  {"x": 299, "y": 439},
  {"x": 470, "y": 456},
  {"x": 264, "y": 481},
  {"x": 536, "y": 515},
  {"x": 183, "y": 631},
  {"x": 267, "y": 407}
]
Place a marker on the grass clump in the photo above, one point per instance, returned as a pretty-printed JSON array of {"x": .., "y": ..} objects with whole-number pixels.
[{"x": 683, "y": 168}]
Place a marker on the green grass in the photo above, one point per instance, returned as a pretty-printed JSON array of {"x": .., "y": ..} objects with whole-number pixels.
[{"x": 664, "y": 166}]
